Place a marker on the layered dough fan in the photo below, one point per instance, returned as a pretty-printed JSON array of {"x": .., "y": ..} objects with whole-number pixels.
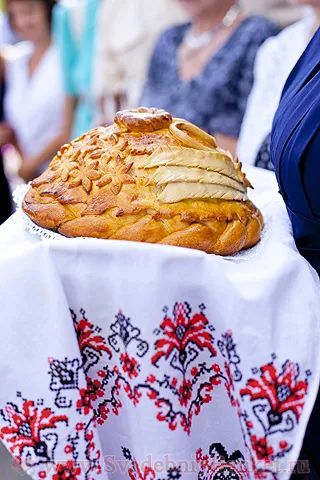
[{"x": 147, "y": 178}]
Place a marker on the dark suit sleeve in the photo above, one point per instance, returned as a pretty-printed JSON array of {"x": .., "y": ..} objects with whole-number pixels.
[{"x": 310, "y": 173}]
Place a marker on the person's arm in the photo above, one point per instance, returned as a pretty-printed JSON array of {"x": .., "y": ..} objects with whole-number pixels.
[
  {"x": 224, "y": 127},
  {"x": 30, "y": 166},
  {"x": 226, "y": 142}
]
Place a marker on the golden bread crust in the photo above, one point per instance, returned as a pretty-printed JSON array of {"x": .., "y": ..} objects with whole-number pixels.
[
  {"x": 143, "y": 119},
  {"x": 147, "y": 178}
]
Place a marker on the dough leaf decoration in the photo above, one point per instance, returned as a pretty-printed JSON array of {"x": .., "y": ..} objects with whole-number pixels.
[{"x": 175, "y": 192}]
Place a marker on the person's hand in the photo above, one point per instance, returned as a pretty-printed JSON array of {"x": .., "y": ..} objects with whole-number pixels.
[
  {"x": 6, "y": 134},
  {"x": 28, "y": 170}
]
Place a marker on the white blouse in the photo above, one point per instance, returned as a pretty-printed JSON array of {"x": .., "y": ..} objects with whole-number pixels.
[
  {"x": 275, "y": 60},
  {"x": 125, "y": 44},
  {"x": 34, "y": 106}
]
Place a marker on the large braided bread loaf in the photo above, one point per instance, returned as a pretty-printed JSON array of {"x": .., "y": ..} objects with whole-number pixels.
[{"x": 147, "y": 178}]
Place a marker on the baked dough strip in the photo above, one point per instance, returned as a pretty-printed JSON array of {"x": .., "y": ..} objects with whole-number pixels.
[
  {"x": 176, "y": 192},
  {"x": 165, "y": 175},
  {"x": 212, "y": 161},
  {"x": 181, "y": 130}
]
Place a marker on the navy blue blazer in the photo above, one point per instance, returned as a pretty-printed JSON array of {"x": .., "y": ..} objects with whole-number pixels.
[{"x": 295, "y": 151}]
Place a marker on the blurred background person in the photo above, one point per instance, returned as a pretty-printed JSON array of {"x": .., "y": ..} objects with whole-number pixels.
[
  {"x": 274, "y": 62},
  {"x": 203, "y": 71},
  {"x": 34, "y": 107},
  {"x": 127, "y": 32},
  {"x": 75, "y": 25},
  {"x": 277, "y": 10}
]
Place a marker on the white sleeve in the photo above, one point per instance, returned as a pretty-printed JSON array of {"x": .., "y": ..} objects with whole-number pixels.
[
  {"x": 262, "y": 102},
  {"x": 7, "y": 36},
  {"x": 107, "y": 73}
]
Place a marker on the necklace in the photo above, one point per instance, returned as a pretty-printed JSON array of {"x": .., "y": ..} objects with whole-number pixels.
[{"x": 196, "y": 42}]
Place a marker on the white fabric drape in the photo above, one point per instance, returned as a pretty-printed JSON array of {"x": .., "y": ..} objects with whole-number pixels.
[{"x": 188, "y": 362}]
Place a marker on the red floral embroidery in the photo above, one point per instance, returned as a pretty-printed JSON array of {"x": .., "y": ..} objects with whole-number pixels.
[
  {"x": 129, "y": 365},
  {"x": 84, "y": 402},
  {"x": 260, "y": 446},
  {"x": 88, "y": 338},
  {"x": 204, "y": 463},
  {"x": 94, "y": 389},
  {"x": 25, "y": 427},
  {"x": 181, "y": 331},
  {"x": 103, "y": 414},
  {"x": 135, "y": 472},
  {"x": 185, "y": 392},
  {"x": 199, "y": 455},
  {"x": 283, "y": 391},
  {"x": 276, "y": 402},
  {"x": 230, "y": 386},
  {"x": 174, "y": 382},
  {"x": 283, "y": 445},
  {"x": 151, "y": 378},
  {"x": 67, "y": 471}
]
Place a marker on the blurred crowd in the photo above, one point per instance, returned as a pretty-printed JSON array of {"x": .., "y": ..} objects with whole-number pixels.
[{"x": 67, "y": 66}]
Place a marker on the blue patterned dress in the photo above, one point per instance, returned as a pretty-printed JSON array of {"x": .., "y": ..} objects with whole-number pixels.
[{"x": 216, "y": 99}]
